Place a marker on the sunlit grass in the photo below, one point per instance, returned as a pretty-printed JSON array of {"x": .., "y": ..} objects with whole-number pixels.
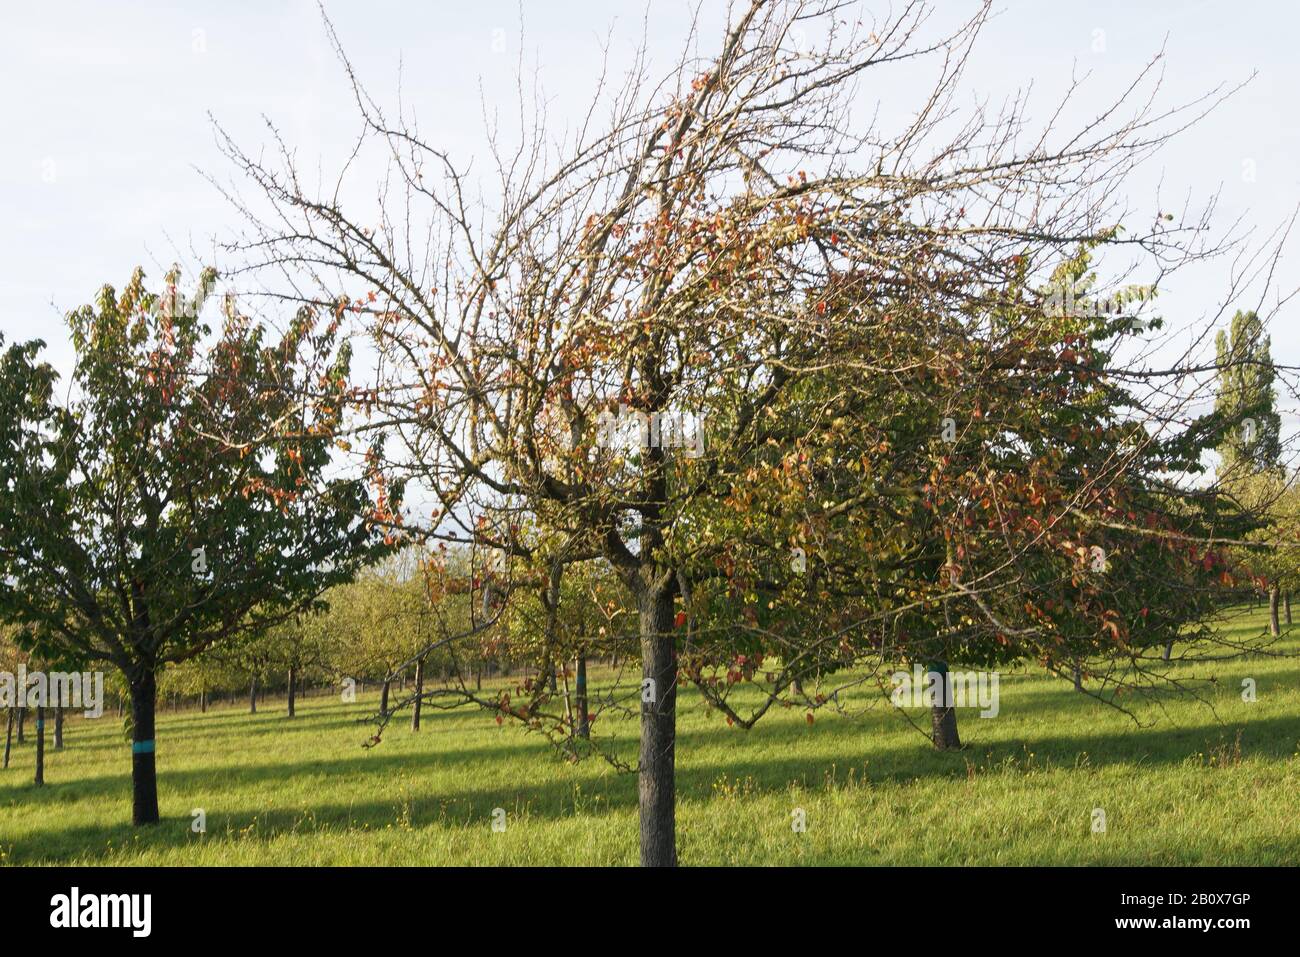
[{"x": 1201, "y": 783}]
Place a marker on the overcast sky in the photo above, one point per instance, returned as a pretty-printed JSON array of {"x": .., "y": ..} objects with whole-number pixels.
[{"x": 106, "y": 131}]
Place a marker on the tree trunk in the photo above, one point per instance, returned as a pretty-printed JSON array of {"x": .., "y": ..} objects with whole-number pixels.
[
  {"x": 9, "y": 734},
  {"x": 568, "y": 699},
  {"x": 40, "y": 745},
  {"x": 383, "y": 699},
  {"x": 1078, "y": 679},
  {"x": 656, "y": 777},
  {"x": 1273, "y": 627},
  {"x": 943, "y": 716},
  {"x": 582, "y": 726},
  {"x": 419, "y": 694},
  {"x": 22, "y": 725},
  {"x": 203, "y": 701},
  {"x": 478, "y": 678},
  {"x": 144, "y": 772},
  {"x": 293, "y": 687},
  {"x": 58, "y": 729},
  {"x": 1286, "y": 606},
  {"x": 1169, "y": 650},
  {"x": 252, "y": 696}
]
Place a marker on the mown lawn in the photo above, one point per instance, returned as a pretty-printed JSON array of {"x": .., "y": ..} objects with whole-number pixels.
[{"x": 1202, "y": 783}]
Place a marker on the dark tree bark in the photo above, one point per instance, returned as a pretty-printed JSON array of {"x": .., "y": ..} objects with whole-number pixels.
[
  {"x": 419, "y": 694},
  {"x": 293, "y": 687},
  {"x": 383, "y": 698},
  {"x": 9, "y": 734},
  {"x": 40, "y": 745},
  {"x": 656, "y": 778},
  {"x": 569, "y": 720},
  {"x": 1286, "y": 606},
  {"x": 943, "y": 716},
  {"x": 203, "y": 701},
  {"x": 252, "y": 696},
  {"x": 582, "y": 727},
  {"x": 22, "y": 725},
  {"x": 58, "y": 729},
  {"x": 1273, "y": 627},
  {"x": 1169, "y": 650},
  {"x": 144, "y": 772}
]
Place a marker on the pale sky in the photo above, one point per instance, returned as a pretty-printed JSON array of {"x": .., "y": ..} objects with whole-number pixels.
[{"x": 105, "y": 110}]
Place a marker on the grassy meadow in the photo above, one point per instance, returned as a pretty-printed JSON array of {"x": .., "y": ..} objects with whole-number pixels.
[{"x": 1200, "y": 783}]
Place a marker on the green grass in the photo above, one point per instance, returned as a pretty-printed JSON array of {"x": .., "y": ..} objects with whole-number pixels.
[{"x": 303, "y": 791}]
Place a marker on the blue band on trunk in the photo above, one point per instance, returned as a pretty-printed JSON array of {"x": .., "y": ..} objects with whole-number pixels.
[
  {"x": 142, "y": 747},
  {"x": 40, "y": 725}
]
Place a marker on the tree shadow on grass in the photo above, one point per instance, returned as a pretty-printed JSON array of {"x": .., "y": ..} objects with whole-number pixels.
[
  {"x": 1033, "y": 699},
  {"x": 1272, "y": 738},
  {"x": 464, "y": 803},
  {"x": 226, "y": 777},
  {"x": 235, "y": 725}
]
